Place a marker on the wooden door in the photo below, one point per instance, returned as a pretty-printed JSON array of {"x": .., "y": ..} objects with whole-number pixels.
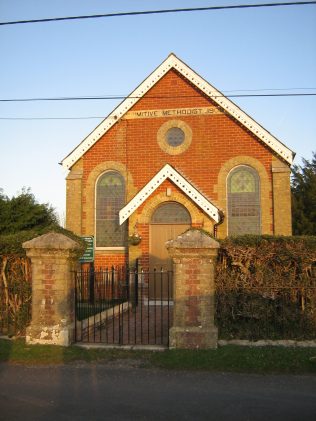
[
  {"x": 160, "y": 282},
  {"x": 159, "y": 235},
  {"x": 168, "y": 221}
]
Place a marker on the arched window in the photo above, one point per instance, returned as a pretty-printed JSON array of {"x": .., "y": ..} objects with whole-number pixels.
[
  {"x": 110, "y": 199},
  {"x": 243, "y": 189},
  {"x": 171, "y": 213}
]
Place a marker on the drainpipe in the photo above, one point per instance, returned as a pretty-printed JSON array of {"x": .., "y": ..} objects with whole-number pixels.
[{"x": 221, "y": 220}]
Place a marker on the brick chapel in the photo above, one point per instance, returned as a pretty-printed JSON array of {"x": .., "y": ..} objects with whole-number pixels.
[{"x": 175, "y": 154}]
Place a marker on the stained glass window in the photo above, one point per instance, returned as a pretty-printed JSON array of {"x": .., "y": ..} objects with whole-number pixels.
[
  {"x": 171, "y": 213},
  {"x": 243, "y": 201},
  {"x": 175, "y": 136},
  {"x": 110, "y": 199},
  {"x": 242, "y": 181}
]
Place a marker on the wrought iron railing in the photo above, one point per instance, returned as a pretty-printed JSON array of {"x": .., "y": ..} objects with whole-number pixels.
[{"x": 123, "y": 306}]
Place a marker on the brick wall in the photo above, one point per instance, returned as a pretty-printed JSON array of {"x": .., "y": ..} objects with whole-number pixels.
[{"x": 131, "y": 146}]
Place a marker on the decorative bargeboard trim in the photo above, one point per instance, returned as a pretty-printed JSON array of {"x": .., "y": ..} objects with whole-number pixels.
[
  {"x": 172, "y": 62},
  {"x": 169, "y": 172}
]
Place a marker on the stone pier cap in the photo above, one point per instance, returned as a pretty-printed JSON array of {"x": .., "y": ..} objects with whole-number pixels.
[
  {"x": 193, "y": 239},
  {"x": 53, "y": 241}
]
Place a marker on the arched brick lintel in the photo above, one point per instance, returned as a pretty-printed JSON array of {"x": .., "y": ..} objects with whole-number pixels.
[{"x": 198, "y": 217}]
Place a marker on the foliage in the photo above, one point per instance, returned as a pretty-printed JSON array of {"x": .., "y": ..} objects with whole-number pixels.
[
  {"x": 266, "y": 288},
  {"x": 23, "y": 212},
  {"x": 134, "y": 239},
  {"x": 21, "y": 219},
  {"x": 304, "y": 197},
  {"x": 12, "y": 243},
  {"x": 15, "y": 294},
  {"x": 15, "y": 278}
]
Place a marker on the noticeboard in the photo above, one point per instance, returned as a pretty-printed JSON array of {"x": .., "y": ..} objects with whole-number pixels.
[{"x": 89, "y": 253}]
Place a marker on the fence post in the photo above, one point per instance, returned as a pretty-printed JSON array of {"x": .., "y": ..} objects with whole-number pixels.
[
  {"x": 54, "y": 258},
  {"x": 91, "y": 283},
  {"x": 194, "y": 256}
]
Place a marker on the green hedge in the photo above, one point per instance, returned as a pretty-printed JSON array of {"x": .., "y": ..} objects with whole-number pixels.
[{"x": 12, "y": 243}]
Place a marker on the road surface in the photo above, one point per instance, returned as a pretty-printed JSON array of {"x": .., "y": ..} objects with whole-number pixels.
[{"x": 123, "y": 391}]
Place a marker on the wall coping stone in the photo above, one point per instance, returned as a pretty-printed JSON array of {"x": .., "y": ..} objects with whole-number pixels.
[
  {"x": 52, "y": 240},
  {"x": 193, "y": 239}
]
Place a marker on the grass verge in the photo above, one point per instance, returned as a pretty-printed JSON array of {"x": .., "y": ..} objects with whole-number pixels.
[{"x": 231, "y": 358}]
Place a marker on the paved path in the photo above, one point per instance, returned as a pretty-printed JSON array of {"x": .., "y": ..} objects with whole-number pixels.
[
  {"x": 122, "y": 391},
  {"x": 144, "y": 325}
]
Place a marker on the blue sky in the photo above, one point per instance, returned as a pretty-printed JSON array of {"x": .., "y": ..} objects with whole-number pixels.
[{"x": 234, "y": 50}]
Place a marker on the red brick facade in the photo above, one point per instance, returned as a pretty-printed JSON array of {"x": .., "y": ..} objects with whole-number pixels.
[{"x": 219, "y": 143}]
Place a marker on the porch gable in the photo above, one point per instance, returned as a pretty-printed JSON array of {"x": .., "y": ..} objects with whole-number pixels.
[{"x": 172, "y": 174}]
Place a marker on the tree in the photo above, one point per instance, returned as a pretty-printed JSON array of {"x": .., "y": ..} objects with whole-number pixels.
[
  {"x": 304, "y": 197},
  {"x": 23, "y": 212}
]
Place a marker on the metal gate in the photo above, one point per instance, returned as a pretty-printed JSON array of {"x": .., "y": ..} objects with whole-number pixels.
[{"x": 118, "y": 306}]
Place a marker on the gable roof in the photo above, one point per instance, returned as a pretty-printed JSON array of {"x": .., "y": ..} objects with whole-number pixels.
[
  {"x": 173, "y": 62},
  {"x": 172, "y": 174}
]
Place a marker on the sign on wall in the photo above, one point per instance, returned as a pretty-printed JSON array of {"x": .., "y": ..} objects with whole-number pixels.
[
  {"x": 173, "y": 112},
  {"x": 89, "y": 253}
]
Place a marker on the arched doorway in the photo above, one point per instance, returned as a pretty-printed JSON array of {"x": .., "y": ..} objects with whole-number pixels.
[{"x": 167, "y": 222}]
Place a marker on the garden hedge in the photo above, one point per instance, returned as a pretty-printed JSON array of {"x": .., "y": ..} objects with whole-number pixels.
[
  {"x": 266, "y": 288},
  {"x": 15, "y": 278}
]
